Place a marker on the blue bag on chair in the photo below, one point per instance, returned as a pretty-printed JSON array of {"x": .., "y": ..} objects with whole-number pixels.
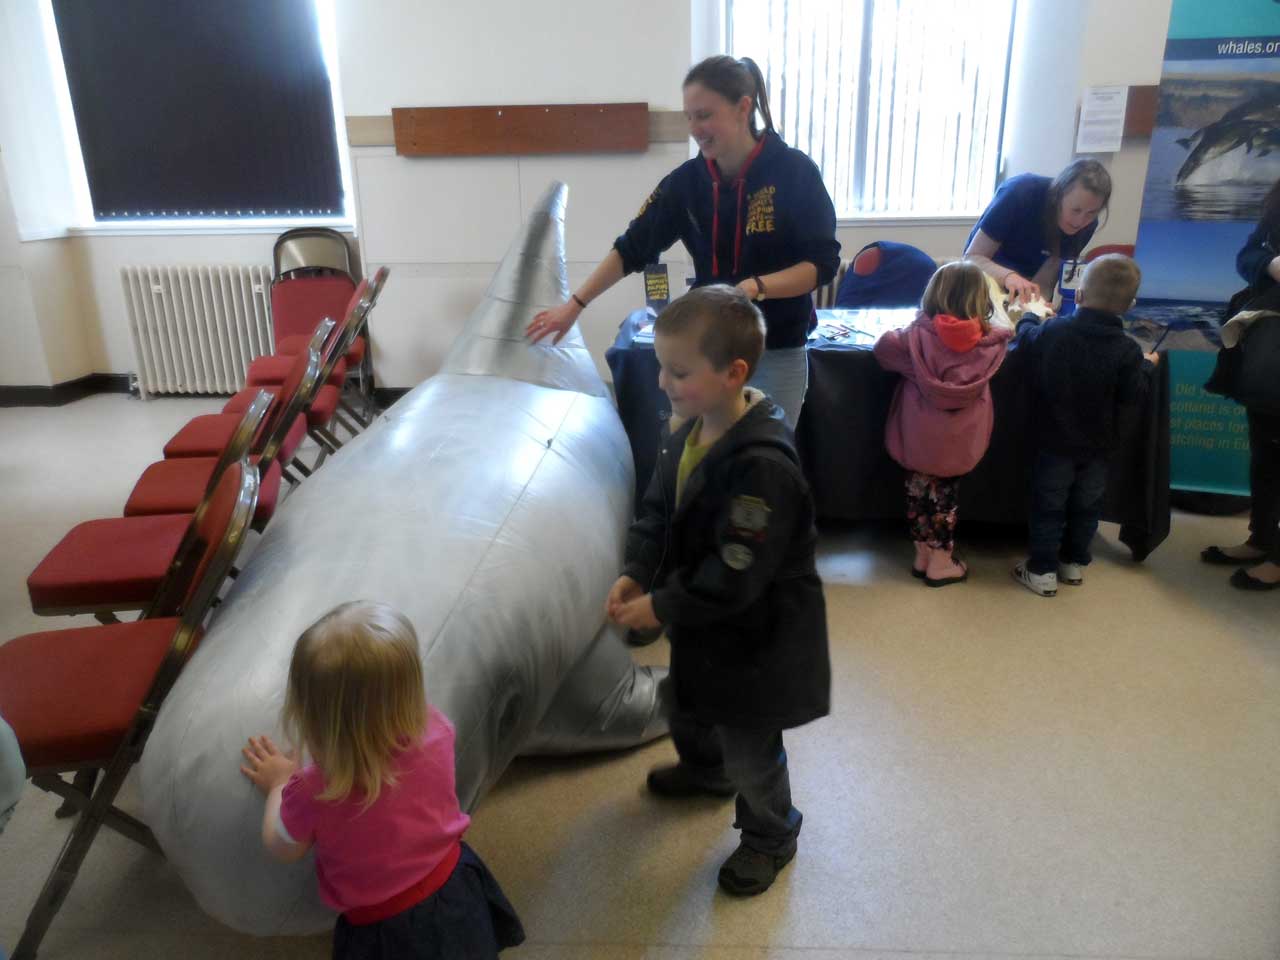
[{"x": 886, "y": 274}]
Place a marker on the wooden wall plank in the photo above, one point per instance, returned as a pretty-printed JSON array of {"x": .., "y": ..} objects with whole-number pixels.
[
  {"x": 1140, "y": 111},
  {"x": 521, "y": 130}
]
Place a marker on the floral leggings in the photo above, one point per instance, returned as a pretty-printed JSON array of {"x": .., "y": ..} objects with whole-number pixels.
[{"x": 931, "y": 509}]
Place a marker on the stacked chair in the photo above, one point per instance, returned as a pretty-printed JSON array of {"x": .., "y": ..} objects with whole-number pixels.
[
  {"x": 313, "y": 277},
  {"x": 82, "y": 701}
]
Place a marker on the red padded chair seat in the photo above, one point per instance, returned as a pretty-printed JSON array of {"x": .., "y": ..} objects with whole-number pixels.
[
  {"x": 292, "y": 346},
  {"x": 177, "y": 486},
  {"x": 114, "y": 564},
  {"x": 321, "y": 411},
  {"x": 203, "y": 436},
  {"x": 70, "y": 695},
  {"x": 271, "y": 371}
]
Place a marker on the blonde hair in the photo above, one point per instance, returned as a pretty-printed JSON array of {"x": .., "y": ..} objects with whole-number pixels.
[
  {"x": 728, "y": 325},
  {"x": 960, "y": 289},
  {"x": 355, "y": 697},
  {"x": 1110, "y": 283}
]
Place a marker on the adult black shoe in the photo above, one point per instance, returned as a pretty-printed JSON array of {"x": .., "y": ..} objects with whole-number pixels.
[
  {"x": 683, "y": 780},
  {"x": 1220, "y": 558},
  {"x": 1242, "y": 581},
  {"x": 748, "y": 872}
]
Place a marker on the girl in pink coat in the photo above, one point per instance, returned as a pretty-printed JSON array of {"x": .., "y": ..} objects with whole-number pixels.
[{"x": 940, "y": 422}]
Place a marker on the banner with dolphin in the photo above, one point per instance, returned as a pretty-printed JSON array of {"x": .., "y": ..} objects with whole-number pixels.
[{"x": 1215, "y": 149}]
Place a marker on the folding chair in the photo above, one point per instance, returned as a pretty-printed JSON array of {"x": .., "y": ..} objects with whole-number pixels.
[
  {"x": 176, "y": 486},
  {"x": 324, "y": 409},
  {"x": 310, "y": 251},
  {"x": 117, "y": 564},
  {"x": 85, "y": 699},
  {"x": 206, "y": 436}
]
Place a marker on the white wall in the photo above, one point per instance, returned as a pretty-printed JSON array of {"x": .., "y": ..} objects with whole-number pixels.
[{"x": 442, "y": 225}]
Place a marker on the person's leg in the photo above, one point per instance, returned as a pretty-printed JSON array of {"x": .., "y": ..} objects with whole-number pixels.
[
  {"x": 943, "y": 568},
  {"x": 701, "y": 766},
  {"x": 1051, "y": 480},
  {"x": 1084, "y": 510},
  {"x": 784, "y": 376},
  {"x": 1264, "y": 484},
  {"x": 756, "y": 763},
  {"x": 918, "y": 512},
  {"x": 1264, "y": 526}
]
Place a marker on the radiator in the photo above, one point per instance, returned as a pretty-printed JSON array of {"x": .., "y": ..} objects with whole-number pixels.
[{"x": 195, "y": 329}]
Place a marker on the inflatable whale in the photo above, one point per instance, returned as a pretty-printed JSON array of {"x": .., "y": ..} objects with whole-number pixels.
[{"x": 490, "y": 505}]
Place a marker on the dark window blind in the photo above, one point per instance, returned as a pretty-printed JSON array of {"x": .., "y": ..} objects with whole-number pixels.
[{"x": 192, "y": 108}]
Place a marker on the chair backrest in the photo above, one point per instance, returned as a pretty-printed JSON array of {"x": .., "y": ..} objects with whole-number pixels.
[
  {"x": 295, "y": 394},
  {"x": 213, "y": 527},
  {"x": 311, "y": 248},
  {"x": 345, "y": 334},
  {"x": 221, "y": 532},
  {"x": 243, "y": 438},
  {"x": 824, "y": 297},
  {"x": 886, "y": 274},
  {"x": 299, "y": 303},
  {"x": 1125, "y": 248}
]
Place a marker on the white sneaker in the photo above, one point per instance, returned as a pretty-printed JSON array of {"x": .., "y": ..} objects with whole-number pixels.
[
  {"x": 1072, "y": 574},
  {"x": 1043, "y": 584}
]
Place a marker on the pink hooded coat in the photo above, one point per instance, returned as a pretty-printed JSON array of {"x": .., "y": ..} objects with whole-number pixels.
[{"x": 941, "y": 417}]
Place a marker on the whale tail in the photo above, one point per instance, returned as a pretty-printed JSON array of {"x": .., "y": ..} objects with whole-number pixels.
[{"x": 531, "y": 278}]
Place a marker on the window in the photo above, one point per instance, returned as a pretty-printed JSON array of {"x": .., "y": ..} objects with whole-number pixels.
[
  {"x": 900, "y": 103},
  {"x": 188, "y": 109}
]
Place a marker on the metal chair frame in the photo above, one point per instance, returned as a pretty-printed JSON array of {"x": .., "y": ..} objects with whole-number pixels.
[{"x": 96, "y": 806}]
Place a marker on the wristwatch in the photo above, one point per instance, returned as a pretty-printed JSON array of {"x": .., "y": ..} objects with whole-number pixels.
[{"x": 760, "y": 291}]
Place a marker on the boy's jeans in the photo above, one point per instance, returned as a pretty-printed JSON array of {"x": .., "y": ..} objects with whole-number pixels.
[
  {"x": 755, "y": 762},
  {"x": 1066, "y": 504}
]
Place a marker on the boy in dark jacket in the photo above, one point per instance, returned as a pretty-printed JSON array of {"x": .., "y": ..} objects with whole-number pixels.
[
  {"x": 723, "y": 555},
  {"x": 1087, "y": 377}
]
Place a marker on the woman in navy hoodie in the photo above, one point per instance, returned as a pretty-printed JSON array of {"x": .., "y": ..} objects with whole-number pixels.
[{"x": 751, "y": 211}]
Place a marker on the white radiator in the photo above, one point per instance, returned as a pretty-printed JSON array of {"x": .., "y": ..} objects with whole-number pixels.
[{"x": 195, "y": 329}]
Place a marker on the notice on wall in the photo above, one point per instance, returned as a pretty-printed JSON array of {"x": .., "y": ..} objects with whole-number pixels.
[{"x": 1102, "y": 119}]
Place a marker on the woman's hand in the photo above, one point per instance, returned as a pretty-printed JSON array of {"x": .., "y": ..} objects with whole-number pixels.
[
  {"x": 624, "y": 590},
  {"x": 266, "y": 765},
  {"x": 750, "y": 287},
  {"x": 637, "y": 614},
  {"x": 1273, "y": 269},
  {"x": 555, "y": 321},
  {"x": 1021, "y": 288}
]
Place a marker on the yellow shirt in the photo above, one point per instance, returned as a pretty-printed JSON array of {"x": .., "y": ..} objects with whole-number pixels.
[{"x": 690, "y": 457}]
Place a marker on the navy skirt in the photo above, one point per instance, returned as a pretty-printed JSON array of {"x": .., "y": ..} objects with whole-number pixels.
[{"x": 466, "y": 919}]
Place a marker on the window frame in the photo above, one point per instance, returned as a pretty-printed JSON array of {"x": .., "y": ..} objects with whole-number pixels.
[
  {"x": 86, "y": 223},
  {"x": 895, "y": 218}
]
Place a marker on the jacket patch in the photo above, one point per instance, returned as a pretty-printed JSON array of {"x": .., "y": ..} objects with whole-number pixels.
[
  {"x": 648, "y": 200},
  {"x": 760, "y": 211},
  {"x": 736, "y": 556},
  {"x": 749, "y": 517}
]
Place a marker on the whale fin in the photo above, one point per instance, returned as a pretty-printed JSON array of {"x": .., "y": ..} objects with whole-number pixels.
[
  {"x": 531, "y": 277},
  {"x": 579, "y": 719}
]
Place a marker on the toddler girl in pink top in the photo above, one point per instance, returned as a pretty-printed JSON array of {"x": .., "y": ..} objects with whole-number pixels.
[{"x": 378, "y": 804}]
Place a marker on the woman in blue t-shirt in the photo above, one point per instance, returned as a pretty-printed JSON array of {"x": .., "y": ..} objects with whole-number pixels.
[
  {"x": 752, "y": 212},
  {"x": 1035, "y": 223}
]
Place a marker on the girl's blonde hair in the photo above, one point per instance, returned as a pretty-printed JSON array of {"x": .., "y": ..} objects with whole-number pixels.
[
  {"x": 959, "y": 289},
  {"x": 355, "y": 697}
]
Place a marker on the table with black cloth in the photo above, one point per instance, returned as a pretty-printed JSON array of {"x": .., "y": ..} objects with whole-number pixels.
[{"x": 840, "y": 437}]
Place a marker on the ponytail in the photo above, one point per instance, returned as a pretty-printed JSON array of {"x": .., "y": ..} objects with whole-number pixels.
[{"x": 733, "y": 80}]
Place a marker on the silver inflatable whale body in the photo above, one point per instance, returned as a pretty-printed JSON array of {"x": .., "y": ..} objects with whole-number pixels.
[{"x": 490, "y": 505}]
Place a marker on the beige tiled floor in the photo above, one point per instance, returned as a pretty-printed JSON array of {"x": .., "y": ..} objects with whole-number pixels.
[{"x": 1001, "y": 776}]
